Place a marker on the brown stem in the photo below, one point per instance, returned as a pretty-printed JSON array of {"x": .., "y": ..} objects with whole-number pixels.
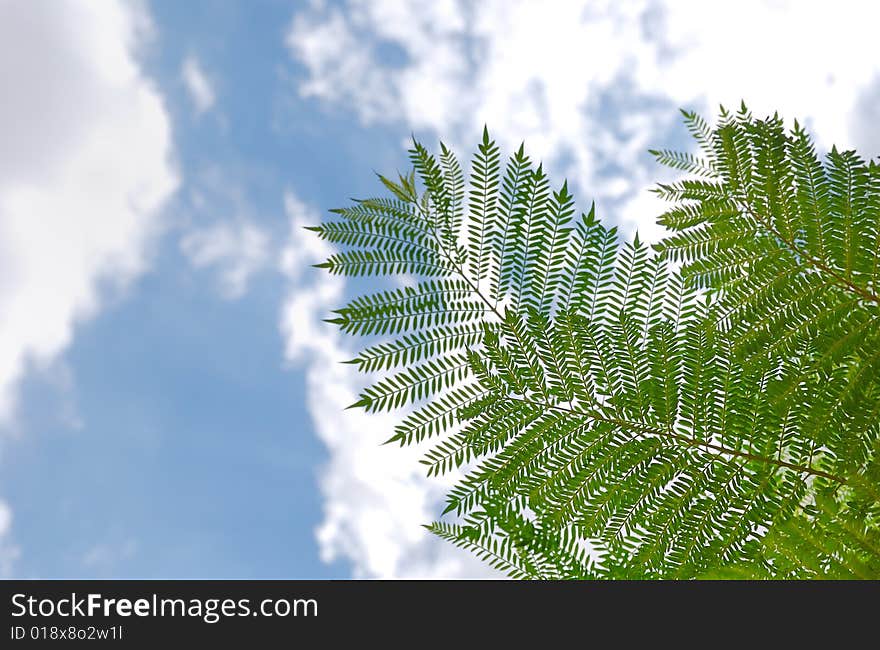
[
  {"x": 692, "y": 443},
  {"x": 819, "y": 264}
]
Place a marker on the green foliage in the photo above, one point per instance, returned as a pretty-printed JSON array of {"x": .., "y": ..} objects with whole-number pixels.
[
  {"x": 836, "y": 536},
  {"x": 707, "y": 408}
]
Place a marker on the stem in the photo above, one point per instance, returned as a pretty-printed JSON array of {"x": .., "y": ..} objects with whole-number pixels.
[
  {"x": 474, "y": 287},
  {"x": 819, "y": 264},
  {"x": 805, "y": 469}
]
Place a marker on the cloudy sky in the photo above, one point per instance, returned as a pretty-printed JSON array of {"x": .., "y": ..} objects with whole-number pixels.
[{"x": 170, "y": 401}]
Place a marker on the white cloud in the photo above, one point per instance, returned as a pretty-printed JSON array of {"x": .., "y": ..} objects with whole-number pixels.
[
  {"x": 84, "y": 173},
  {"x": 591, "y": 85},
  {"x": 238, "y": 249},
  {"x": 199, "y": 87},
  {"x": 104, "y": 559},
  {"x": 375, "y": 497},
  {"x": 9, "y": 552},
  {"x": 865, "y": 119}
]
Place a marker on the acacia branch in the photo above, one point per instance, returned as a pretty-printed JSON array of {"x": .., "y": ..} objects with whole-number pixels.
[
  {"x": 689, "y": 442},
  {"x": 806, "y": 256}
]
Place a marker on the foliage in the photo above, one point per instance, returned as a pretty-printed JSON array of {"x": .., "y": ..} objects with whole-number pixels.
[{"x": 707, "y": 408}]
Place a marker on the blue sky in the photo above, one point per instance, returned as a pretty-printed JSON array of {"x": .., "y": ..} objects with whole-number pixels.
[{"x": 170, "y": 402}]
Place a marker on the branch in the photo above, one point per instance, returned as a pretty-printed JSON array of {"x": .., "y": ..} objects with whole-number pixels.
[
  {"x": 644, "y": 428},
  {"x": 816, "y": 263}
]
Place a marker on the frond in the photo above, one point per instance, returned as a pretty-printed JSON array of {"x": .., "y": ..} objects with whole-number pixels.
[
  {"x": 787, "y": 244},
  {"x": 709, "y": 407},
  {"x": 483, "y": 197}
]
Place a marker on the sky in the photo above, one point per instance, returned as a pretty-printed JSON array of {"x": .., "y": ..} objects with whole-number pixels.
[{"x": 171, "y": 402}]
